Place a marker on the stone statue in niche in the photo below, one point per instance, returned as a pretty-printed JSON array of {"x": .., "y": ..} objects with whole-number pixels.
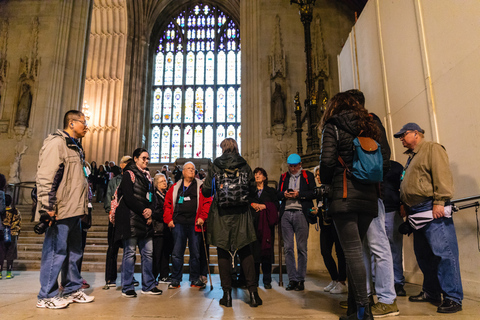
[
  {"x": 278, "y": 105},
  {"x": 24, "y": 106},
  {"x": 14, "y": 174}
]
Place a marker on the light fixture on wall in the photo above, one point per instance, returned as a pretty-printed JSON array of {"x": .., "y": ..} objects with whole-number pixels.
[{"x": 85, "y": 110}]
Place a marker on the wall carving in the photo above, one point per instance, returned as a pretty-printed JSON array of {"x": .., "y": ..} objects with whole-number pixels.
[
  {"x": 3, "y": 72},
  {"x": 277, "y": 62}
]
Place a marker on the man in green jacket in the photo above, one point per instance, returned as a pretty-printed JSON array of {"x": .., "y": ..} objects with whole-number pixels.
[{"x": 426, "y": 190}]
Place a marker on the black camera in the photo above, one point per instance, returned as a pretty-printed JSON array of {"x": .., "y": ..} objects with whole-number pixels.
[
  {"x": 322, "y": 193},
  {"x": 44, "y": 223}
]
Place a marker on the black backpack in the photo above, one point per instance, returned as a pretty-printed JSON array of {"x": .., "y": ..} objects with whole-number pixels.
[{"x": 232, "y": 188}]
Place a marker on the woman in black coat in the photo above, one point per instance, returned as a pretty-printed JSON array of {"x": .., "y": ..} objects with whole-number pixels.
[
  {"x": 264, "y": 206},
  {"x": 343, "y": 120},
  {"x": 133, "y": 221},
  {"x": 231, "y": 228}
]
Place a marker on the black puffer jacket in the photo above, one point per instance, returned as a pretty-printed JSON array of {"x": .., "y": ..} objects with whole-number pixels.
[
  {"x": 361, "y": 198},
  {"x": 129, "y": 220},
  {"x": 157, "y": 215}
]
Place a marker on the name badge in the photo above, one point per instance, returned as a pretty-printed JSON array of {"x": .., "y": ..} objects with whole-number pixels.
[
  {"x": 180, "y": 200},
  {"x": 187, "y": 199}
]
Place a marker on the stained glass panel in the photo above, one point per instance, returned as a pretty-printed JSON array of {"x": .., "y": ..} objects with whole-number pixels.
[
  {"x": 165, "y": 144},
  {"x": 157, "y": 106},
  {"x": 209, "y": 105},
  {"x": 175, "y": 143},
  {"x": 221, "y": 60},
  {"x": 169, "y": 69},
  {"x": 239, "y": 68},
  {"x": 199, "y": 105},
  {"x": 208, "y": 142},
  {"x": 231, "y": 132},
  {"x": 177, "y": 106},
  {"x": 198, "y": 147},
  {"x": 178, "y": 68},
  {"x": 231, "y": 67},
  {"x": 155, "y": 151},
  {"x": 167, "y": 106},
  {"x": 239, "y": 105},
  {"x": 187, "y": 142},
  {"x": 231, "y": 105},
  {"x": 189, "y": 99},
  {"x": 210, "y": 74},
  {"x": 239, "y": 138},
  {"x": 200, "y": 68},
  {"x": 220, "y": 138},
  {"x": 159, "y": 69},
  {"x": 190, "y": 68},
  {"x": 221, "y": 105}
]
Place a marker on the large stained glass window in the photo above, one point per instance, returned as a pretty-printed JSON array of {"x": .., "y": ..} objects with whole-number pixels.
[{"x": 196, "y": 86}]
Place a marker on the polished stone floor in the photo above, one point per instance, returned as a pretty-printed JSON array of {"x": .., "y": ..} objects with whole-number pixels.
[{"x": 18, "y": 298}]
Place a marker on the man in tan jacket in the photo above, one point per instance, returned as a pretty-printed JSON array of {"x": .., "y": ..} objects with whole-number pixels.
[
  {"x": 426, "y": 190},
  {"x": 62, "y": 192}
]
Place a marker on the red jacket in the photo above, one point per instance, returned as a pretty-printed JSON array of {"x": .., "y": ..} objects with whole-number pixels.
[{"x": 203, "y": 204}]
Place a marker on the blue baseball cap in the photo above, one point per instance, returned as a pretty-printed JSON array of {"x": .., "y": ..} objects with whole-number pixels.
[
  {"x": 411, "y": 126},
  {"x": 294, "y": 159}
]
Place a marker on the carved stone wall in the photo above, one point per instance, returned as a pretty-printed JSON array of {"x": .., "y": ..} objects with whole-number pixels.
[
  {"x": 104, "y": 81},
  {"x": 42, "y": 44}
]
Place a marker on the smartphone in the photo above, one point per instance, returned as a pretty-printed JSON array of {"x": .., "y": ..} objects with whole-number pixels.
[{"x": 290, "y": 190}]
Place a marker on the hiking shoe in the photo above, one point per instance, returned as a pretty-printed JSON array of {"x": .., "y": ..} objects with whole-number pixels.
[
  {"x": 129, "y": 294},
  {"x": 174, "y": 285},
  {"x": 52, "y": 303},
  {"x": 380, "y": 310},
  {"x": 449, "y": 306},
  {"x": 344, "y": 304},
  {"x": 300, "y": 286},
  {"x": 198, "y": 284},
  {"x": 79, "y": 296},
  {"x": 165, "y": 280},
  {"x": 9, "y": 275},
  {"x": 339, "y": 288},
  {"x": 135, "y": 283},
  {"x": 330, "y": 286},
  {"x": 155, "y": 290},
  {"x": 399, "y": 290}
]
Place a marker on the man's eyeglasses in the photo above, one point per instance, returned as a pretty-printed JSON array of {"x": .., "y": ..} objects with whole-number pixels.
[
  {"x": 82, "y": 122},
  {"x": 405, "y": 134}
]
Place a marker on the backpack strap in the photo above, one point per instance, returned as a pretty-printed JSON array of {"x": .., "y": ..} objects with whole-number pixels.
[
  {"x": 283, "y": 180},
  {"x": 304, "y": 173}
]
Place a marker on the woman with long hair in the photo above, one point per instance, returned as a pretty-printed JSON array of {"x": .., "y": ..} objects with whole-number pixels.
[
  {"x": 345, "y": 119},
  {"x": 230, "y": 227}
]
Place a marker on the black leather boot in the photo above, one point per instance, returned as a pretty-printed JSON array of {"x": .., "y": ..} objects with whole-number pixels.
[
  {"x": 227, "y": 298},
  {"x": 255, "y": 300}
]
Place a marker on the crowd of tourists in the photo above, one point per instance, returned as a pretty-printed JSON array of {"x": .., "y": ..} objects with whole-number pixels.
[{"x": 360, "y": 199}]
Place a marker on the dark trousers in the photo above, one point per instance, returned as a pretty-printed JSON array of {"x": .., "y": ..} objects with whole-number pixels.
[
  {"x": 162, "y": 250},
  {"x": 351, "y": 229},
  {"x": 329, "y": 237},
  {"x": 266, "y": 262},
  {"x": 112, "y": 255},
  {"x": 225, "y": 268}
]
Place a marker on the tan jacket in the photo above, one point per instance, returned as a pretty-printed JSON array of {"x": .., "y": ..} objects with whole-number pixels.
[
  {"x": 428, "y": 175},
  {"x": 61, "y": 182}
]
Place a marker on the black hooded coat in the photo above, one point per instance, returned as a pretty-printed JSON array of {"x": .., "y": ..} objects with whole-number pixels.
[{"x": 229, "y": 228}]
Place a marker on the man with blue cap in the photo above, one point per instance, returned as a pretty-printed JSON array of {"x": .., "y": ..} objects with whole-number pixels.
[
  {"x": 296, "y": 192},
  {"x": 425, "y": 191}
]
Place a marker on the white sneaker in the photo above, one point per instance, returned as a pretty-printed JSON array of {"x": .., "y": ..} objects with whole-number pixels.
[
  {"x": 339, "y": 288},
  {"x": 79, "y": 296},
  {"x": 52, "y": 303},
  {"x": 330, "y": 286}
]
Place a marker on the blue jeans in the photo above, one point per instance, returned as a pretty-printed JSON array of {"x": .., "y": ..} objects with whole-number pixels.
[
  {"x": 436, "y": 249},
  {"x": 62, "y": 251},
  {"x": 392, "y": 222},
  {"x": 182, "y": 232},
  {"x": 294, "y": 223},
  {"x": 376, "y": 244},
  {"x": 145, "y": 246}
]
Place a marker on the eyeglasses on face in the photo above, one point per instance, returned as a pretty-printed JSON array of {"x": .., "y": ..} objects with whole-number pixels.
[
  {"x": 82, "y": 122},
  {"x": 145, "y": 158},
  {"x": 405, "y": 134}
]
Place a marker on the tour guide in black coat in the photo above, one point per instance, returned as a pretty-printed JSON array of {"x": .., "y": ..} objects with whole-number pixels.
[{"x": 231, "y": 229}]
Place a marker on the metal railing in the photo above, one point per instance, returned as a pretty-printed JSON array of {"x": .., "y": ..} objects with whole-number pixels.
[
  {"x": 475, "y": 203},
  {"x": 15, "y": 189}
]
